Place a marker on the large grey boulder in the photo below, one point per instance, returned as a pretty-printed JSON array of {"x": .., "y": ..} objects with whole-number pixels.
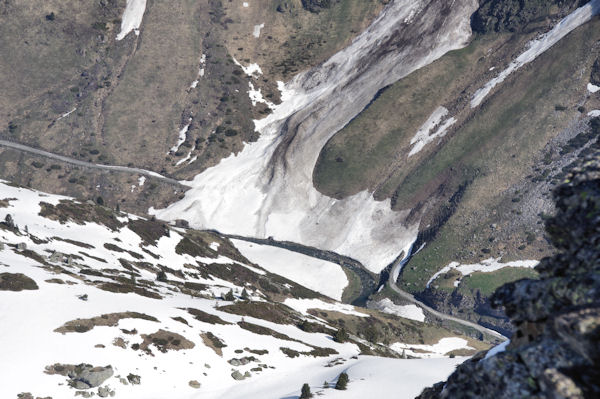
[{"x": 86, "y": 376}]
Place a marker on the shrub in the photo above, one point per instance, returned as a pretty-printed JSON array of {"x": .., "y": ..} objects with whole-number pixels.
[
  {"x": 305, "y": 392},
  {"x": 340, "y": 336},
  {"x": 229, "y": 296},
  {"x": 162, "y": 276},
  {"x": 342, "y": 382}
]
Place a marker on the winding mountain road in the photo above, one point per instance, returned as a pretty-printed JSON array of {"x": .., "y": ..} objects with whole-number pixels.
[
  {"x": 409, "y": 297},
  {"x": 367, "y": 281},
  {"x": 72, "y": 161}
]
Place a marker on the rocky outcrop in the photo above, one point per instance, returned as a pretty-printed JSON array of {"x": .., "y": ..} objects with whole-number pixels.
[
  {"x": 82, "y": 376},
  {"x": 16, "y": 282},
  {"x": 595, "y": 76},
  {"x": 515, "y": 15},
  {"x": 555, "y": 350}
]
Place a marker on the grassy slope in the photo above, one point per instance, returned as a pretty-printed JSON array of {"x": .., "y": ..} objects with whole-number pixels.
[
  {"x": 500, "y": 141},
  {"x": 493, "y": 149}
]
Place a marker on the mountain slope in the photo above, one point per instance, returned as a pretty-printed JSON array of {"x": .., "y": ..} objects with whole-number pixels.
[{"x": 174, "y": 312}]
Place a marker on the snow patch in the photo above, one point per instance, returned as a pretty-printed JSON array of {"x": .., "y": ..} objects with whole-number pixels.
[
  {"x": 592, "y": 88},
  {"x": 594, "y": 113},
  {"x": 302, "y": 306},
  {"x": 438, "y": 350},
  {"x": 245, "y": 4},
  {"x": 66, "y": 114},
  {"x": 200, "y": 72},
  {"x": 423, "y": 137},
  {"x": 486, "y": 266},
  {"x": 249, "y": 70},
  {"x": 132, "y": 17},
  {"x": 386, "y": 305},
  {"x": 539, "y": 46},
  {"x": 321, "y": 276},
  {"x": 257, "y": 29},
  {"x": 141, "y": 181},
  {"x": 182, "y": 137}
]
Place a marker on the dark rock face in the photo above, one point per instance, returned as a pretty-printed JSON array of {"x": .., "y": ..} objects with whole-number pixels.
[
  {"x": 555, "y": 351},
  {"x": 515, "y": 15},
  {"x": 595, "y": 78}
]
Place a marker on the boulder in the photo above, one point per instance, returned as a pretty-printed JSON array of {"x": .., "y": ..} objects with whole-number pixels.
[{"x": 85, "y": 376}]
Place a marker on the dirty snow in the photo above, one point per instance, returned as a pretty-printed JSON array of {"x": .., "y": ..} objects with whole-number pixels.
[
  {"x": 539, "y": 46},
  {"x": 324, "y": 277},
  {"x": 386, "y": 305},
  {"x": 132, "y": 17},
  {"x": 257, "y": 29},
  {"x": 266, "y": 189},
  {"x": 486, "y": 266}
]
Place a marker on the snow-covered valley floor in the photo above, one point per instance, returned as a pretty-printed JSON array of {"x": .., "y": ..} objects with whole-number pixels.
[{"x": 80, "y": 284}]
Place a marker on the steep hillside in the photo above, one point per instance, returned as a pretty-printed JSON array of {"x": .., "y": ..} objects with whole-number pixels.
[
  {"x": 554, "y": 352},
  {"x": 473, "y": 144},
  {"x": 171, "y": 96}
]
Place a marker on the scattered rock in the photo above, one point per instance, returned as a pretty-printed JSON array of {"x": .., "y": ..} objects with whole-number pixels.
[
  {"x": 110, "y": 320},
  {"x": 120, "y": 342},
  {"x": 165, "y": 341},
  {"x": 194, "y": 384},
  {"x": 134, "y": 379},
  {"x": 105, "y": 392},
  {"x": 236, "y": 375}
]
